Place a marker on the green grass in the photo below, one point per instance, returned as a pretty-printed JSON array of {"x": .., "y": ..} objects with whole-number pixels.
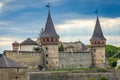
[
  {"x": 111, "y": 60},
  {"x": 111, "y": 50},
  {"x": 81, "y": 69}
]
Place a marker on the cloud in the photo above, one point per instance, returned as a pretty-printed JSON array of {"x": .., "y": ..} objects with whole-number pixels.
[
  {"x": 7, "y": 41},
  {"x": 110, "y": 26},
  {"x": 1, "y": 6}
]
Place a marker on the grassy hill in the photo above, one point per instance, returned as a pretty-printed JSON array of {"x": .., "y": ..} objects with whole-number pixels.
[{"x": 111, "y": 50}]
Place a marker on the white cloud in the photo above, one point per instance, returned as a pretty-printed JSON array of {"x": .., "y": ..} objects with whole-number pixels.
[
  {"x": 7, "y": 41},
  {"x": 87, "y": 25},
  {"x": 1, "y": 6}
]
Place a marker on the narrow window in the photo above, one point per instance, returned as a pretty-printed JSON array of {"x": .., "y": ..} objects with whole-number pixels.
[
  {"x": 46, "y": 55},
  {"x": 46, "y": 62},
  {"x": 47, "y": 39}
]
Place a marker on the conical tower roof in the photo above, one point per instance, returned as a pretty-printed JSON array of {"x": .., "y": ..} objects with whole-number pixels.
[
  {"x": 49, "y": 28},
  {"x": 97, "y": 35}
]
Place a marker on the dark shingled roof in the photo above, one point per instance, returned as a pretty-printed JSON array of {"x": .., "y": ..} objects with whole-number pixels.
[
  {"x": 97, "y": 35},
  {"x": 49, "y": 28},
  {"x": 29, "y": 42},
  {"x": 84, "y": 47},
  {"x": 8, "y": 63}
]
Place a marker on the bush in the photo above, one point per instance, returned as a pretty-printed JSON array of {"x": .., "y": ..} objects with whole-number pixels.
[
  {"x": 113, "y": 62},
  {"x": 103, "y": 78},
  {"x": 36, "y": 48},
  {"x": 61, "y": 48}
]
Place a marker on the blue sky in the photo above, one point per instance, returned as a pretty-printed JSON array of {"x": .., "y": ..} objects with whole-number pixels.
[{"x": 73, "y": 19}]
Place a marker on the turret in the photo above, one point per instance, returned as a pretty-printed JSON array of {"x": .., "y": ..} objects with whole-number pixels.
[
  {"x": 49, "y": 41},
  {"x": 15, "y": 46},
  {"x": 98, "y": 43}
]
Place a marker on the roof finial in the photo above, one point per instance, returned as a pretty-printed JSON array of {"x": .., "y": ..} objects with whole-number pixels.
[
  {"x": 96, "y": 12},
  {"x": 48, "y": 6}
]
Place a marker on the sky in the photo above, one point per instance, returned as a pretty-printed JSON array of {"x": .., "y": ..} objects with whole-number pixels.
[{"x": 73, "y": 20}]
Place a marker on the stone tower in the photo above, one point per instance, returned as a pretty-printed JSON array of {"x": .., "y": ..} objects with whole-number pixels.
[
  {"x": 15, "y": 46},
  {"x": 98, "y": 43},
  {"x": 49, "y": 41}
]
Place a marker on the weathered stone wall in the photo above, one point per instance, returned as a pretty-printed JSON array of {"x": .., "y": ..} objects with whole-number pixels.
[
  {"x": 51, "y": 56},
  {"x": 13, "y": 73},
  {"x": 71, "y": 46},
  {"x": 72, "y": 76},
  {"x": 99, "y": 57},
  {"x": 75, "y": 60},
  {"x": 28, "y": 58}
]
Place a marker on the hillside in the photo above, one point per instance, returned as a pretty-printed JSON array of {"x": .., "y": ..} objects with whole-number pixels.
[{"x": 111, "y": 50}]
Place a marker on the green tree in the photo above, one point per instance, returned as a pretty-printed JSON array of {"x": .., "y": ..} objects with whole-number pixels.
[
  {"x": 36, "y": 48},
  {"x": 103, "y": 78},
  {"x": 41, "y": 31},
  {"x": 61, "y": 48},
  {"x": 114, "y": 64},
  {"x": 111, "y": 50},
  {"x": 92, "y": 79}
]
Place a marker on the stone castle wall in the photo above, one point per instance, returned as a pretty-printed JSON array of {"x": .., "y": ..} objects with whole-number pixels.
[
  {"x": 13, "y": 73},
  {"x": 28, "y": 58},
  {"x": 73, "y": 75},
  {"x": 71, "y": 46},
  {"x": 75, "y": 60},
  {"x": 65, "y": 59}
]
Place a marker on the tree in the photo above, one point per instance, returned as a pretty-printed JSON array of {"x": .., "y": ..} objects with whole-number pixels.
[
  {"x": 36, "y": 49},
  {"x": 41, "y": 31},
  {"x": 38, "y": 38},
  {"x": 103, "y": 78},
  {"x": 61, "y": 48},
  {"x": 114, "y": 64}
]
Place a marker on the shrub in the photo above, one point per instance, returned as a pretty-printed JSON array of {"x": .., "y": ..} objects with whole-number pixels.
[{"x": 103, "y": 78}]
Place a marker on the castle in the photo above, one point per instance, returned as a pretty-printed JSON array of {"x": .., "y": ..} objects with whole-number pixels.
[{"x": 49, "y": 57}]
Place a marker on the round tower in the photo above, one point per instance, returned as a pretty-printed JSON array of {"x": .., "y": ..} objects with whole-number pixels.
[
  {"x": 15, "y": 46},
  {"x": 49, "y": 41}
]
